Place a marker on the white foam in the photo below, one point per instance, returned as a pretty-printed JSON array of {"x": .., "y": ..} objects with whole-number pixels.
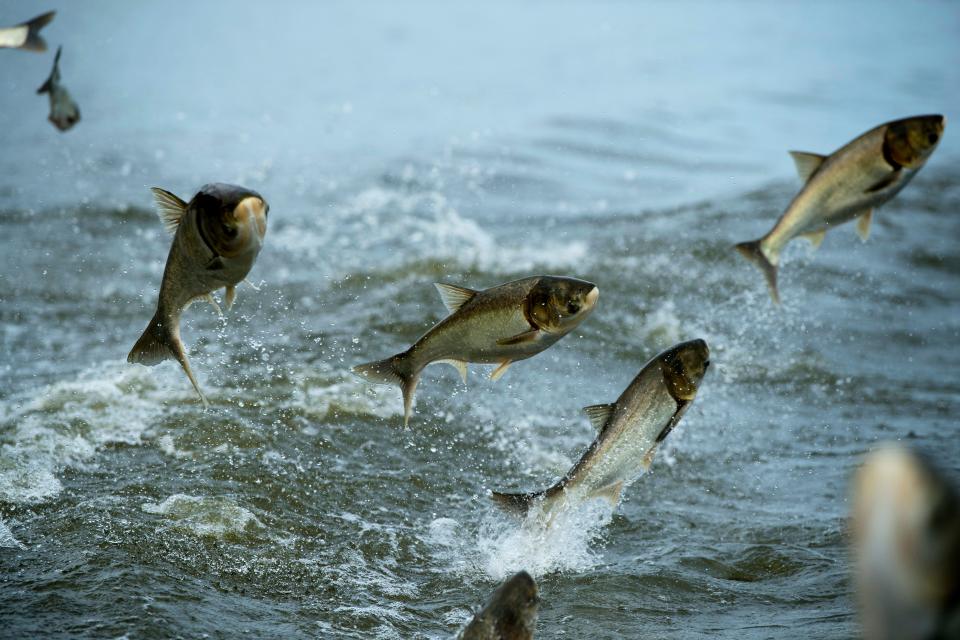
[
  {"x": 64, "y": 425},
  {"x": 322, "y": 389},
  {"x": 500, "y": 545},
  {"x": 204, "y": 516},
  {"x": 7, "y": 540}
]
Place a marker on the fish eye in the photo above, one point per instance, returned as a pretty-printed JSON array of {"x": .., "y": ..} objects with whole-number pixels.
[
  {"x": 932, "y": 138},
  {"x": 572, "y": 307}
]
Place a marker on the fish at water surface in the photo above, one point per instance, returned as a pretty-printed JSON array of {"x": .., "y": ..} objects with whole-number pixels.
[
  {"x": 499, "y": 325},
  {"x": 510, "y": 613},
  {"x": 630, "y": 430},
  {"x": 26, "y": 35},
  {"x": 849, "y": 183},
  {"x": 64, "y": 112},
  {"x": 217, "y": 238}
]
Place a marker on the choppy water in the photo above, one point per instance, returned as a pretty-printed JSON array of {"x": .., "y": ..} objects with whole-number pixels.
[{"x": 627, "y": 144}]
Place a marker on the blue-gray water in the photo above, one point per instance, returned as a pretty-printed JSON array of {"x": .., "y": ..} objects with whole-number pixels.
[{"x": 401, "y": 144}]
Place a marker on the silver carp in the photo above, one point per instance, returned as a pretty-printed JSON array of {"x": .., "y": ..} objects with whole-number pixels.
[
  {"x": 510, "y": 614},
  {"x": 848, "y": 184},
  {"x": 26, "y": 35},
  {"x": 64, "y": 112}
]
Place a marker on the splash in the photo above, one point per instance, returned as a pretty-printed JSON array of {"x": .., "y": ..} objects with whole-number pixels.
[{"x": 215, "y": 517}]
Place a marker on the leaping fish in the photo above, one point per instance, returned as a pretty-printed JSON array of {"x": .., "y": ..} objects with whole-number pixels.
[
  {"x": 510, "y": 614},
  {"x": 26, "y": 35},
  {"x": 849, "y": 183},
  {"x": 217, "y": 238},
  {"x": 64, "y": 112},
  {"x": 500, "y": 325},
  {"x": 629, "y": 431},
  {"x": 906, "y": 546}
]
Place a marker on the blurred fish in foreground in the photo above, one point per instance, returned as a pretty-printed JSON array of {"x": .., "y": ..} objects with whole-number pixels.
[
  {"x": 26, "y": 35},
  {"x": 906, "y": 535},
  {"x": 217, "y": 238},
  {"x": 629, "y": 431},
  {"x": 510, "y": 614},
  {"x": 850, "y": 183},
  {"x": 500, "y": 325},
  {"x": 64, "y": 112}
]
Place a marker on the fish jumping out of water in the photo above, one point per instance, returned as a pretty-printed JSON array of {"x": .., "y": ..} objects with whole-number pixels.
[
  {"x": 510, "y": 614},
  {"x": 629, "y": 431},
  {"x": 906, "y": 543},
  {"x": 26, "y": 36},
  {"x": 64, "y": 112},
  {"x": 500, "y": 325},
  {"x": 850, "y": 183},
  {"x": 217, "y": 237}
]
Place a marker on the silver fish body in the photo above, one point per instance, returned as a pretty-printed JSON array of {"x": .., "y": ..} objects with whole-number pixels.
[
  {"x": 510, "y": 613},
  {"x": 500, "y": 325},
  {"x": 217, "y": 238},
  {"x": 26, "y": 35},
  {"x": 846, "y": 185},
  {"x": 630, "y": 430},
  {"x": 64, "y": 112},
  {"x": 906, "y": 546}
]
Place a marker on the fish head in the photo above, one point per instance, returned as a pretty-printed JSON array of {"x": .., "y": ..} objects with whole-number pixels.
[
  {"x": 232, "y": 219},
  {"x": 558, "y": 304},
  {"x": 513, "y": 607},
  {"x": 906, "y": 535},
  {"x": 683, "y": 367},
  {"x": 909, "y": 142}
]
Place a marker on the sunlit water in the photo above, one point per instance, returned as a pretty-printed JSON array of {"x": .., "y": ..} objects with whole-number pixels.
[{"x": 627, "y": 144}]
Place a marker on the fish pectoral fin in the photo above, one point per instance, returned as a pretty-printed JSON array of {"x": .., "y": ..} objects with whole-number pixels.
[
  {"x": 209, "y": 298},
  {"x": 520, "y": 338},
  {"x": 215, "y": 264},
  {"x": 502, "y": 369},
  {"x": 170, "y": 208},
  {"x": 610, "y": 493},
  {"x": 648, "y": 459},
  {"x": 863, "y": 224},
  {"x": 599, "y": 414},
  {"x": 885, "y": 182},
  {"x": 454, "y": 297},
  {"x": 229, "y": 295},
  {"x": 807, "y": 163},
  {"x": 815, "y": 238},
  {"x": 459, "y": 365}
]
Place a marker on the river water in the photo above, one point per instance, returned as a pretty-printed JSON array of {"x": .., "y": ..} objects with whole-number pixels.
[{"x": 629, "y": 144}]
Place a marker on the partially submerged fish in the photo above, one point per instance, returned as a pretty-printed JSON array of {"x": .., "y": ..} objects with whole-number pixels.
[
  {"x": 500, "y": 325},
  {"x": 64, "y": 112},
  {"x": 629, "y": 431},
  {"x": 906, "y": 543},
  {"x": 510, "y": 614},
  {"x": 217, "y": 237},
  {"x": 26, "y": 35},
  {"x": 850, "y": 183}
]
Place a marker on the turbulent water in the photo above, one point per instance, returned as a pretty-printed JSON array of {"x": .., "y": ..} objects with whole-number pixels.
[{"x": 627, "y": 144}]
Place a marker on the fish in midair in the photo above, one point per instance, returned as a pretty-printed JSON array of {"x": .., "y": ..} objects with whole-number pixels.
[
  {"x": 846, "y": 185},
  {"x": 26, "y": 36},
  {"x": 500, "y": 325},
  {"x": 64, "y": 112},
  {"x": 629, "y": 431},
  {"x": 905, "y": 529},
  {"x": 510, "y": 614},
  {"x": 217, "y": 237}
]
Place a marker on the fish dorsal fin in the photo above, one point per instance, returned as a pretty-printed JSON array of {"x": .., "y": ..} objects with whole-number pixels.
[
  {"x": 453, "y": 296},
  {"x": 807, "y": 163},
  {"x": 599, "y": 414},
  {"x": 816, "y": 238},
  {"x": 170, "y": 208},
  {"x": 863, "y": 224}
]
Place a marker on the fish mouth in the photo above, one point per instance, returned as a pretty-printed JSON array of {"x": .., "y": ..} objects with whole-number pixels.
[{"x": 592, "y": 297}]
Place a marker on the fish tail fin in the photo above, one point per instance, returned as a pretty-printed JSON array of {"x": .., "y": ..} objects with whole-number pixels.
[
  {"x": 516, "y": 503},
  {"x": 34, "y": 42},
  {"x": 753, "y": 251},
  {"x": 398, "y": 370},
  {"x": 47, "y": 86},
  {"x": 161, "y": 341}
]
